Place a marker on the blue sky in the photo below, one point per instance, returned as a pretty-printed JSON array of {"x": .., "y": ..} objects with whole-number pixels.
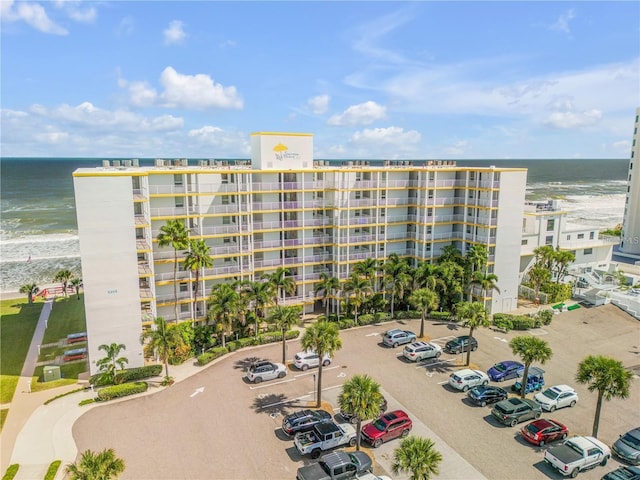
[{"x": 436, "y": 80}]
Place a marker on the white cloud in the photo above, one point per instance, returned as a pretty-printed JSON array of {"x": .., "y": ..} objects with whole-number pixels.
[
  {"x": 570, "y": 119},
  {"x": 229, "y": 141},
  {"x": 457, "y": 148},
  {"x": 125, "y": 27},
  {"x": 319, "y": 104},
  {"x": 622, "y": 146},
  {"x": 174, "y": 33},
  {"x": 390, "y": 136},
  {"x": 562, "y": 23},
  {"x": 32, "y": 14},
  {"x": 362, "y": 114},
  {"x": 74, "y": 9}
]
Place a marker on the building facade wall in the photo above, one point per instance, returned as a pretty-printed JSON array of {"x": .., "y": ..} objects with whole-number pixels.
[{"x": 630, "y": 240}]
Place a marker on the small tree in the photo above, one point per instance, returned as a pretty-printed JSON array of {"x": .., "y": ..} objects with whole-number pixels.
[
  {"x": 424, "y": 301},
  {"x": 198, "y": 257},
  {"x": 224, "y": 308},
  {"x": 284, "y": 317},
  {"x": 608, "y": 377},
  {"x": 418, "y": 457},
  {"x": 473, "y": 315},
  {"x": 109, "y": 364},
  {"x": 174, "y": 234},
  {"x": 361, "y": 398},
  {"x": 102, "y": 465},
  {"x": 324, "y": 339},
  {"x": 529, "y": 349},
  {"x": 76, "y": 283},
  {"x": 162, "y": 339},
  {"x": 325, "y": 288},
  {"x": 30, "y": 290},
  {"x": 63, "y": 276}
]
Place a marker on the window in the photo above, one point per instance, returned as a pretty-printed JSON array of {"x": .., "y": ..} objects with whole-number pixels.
[
  {"x": 592, "y": 235},
  {"x": 184, "y": 307},
  {"x": 568, "y": 237},
  {"x": 179, "y": 202},
  {"x": 225, "y": 200},
  {"x": 358, "y": 195},
  {"x": 177, "y": 180},
  {"x": 430, "y": 194},
  {"x": 184, "y": 287},
  {"x": 383, "y": 212},
  {"x": 224, "y": 178},
  {"x": 383, "y": 194},
  {"x": 525, "y": 242},
  {"x": 551, "y": 223},
  {"x": 587, "y": 251},
  {"x": 226, "y": 240},
  {"x": 581, "y": 236},
  {"x": 548, "y": 240}
]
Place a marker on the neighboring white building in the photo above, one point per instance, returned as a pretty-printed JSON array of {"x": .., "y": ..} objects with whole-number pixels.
[
  {"x": 282, "y": 209},
  {"x": 545, "y": 223},
  {"x": 630, "y": 238}
]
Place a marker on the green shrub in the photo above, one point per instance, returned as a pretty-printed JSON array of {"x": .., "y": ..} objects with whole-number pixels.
[
  {"x": 366, "y": 319},
  {"x": 210, "y": 355},
  {"x": 11, "y": 472},
  {"x": 522, "y": 322},
  {"x": 272, "y": 337},
  {"x": 557, "y": 292},
  {"x": 442, "y": 316},
  {"x": 501, "y": 321},
  {"x": 382, "y": 317},
  {"x": 128, "y": 374},
  {"x": 86, "y": 401},
  {"x": 123, "y": 390},
  {"x": 545, "y": 316},
  {"x": 53, "y": 469},
  {"x": 346, "y": 323},
  {"x": 63, "y": 395},
  {"x": 410, "y": 314}
]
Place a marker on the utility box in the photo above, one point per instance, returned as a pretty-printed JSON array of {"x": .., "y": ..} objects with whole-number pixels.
[{"x": 51, "y": 372}]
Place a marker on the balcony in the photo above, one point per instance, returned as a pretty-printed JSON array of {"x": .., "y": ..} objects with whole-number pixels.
[
  {"x": 318, "y": 240},
  {"x": 232, "y": 269},
  {"x": 221, "y": 229},
  {"x": 168, "y": 276},
  {"x": 144, "y": 269},
  {"x": 398, "y": 201},
  {"x": 363, "y": 202},
  {"x": 141, "y": 220},
  {"x": 169, "y": 298},
  {"x": 357, "y": 256},
  {"x": 174, "y": 211},
  {"x": 142, "y": 245},
  {"x": 275, "y": 262},
  {"x": 146, "y": 293}
]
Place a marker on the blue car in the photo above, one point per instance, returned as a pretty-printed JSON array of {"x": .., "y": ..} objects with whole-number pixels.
[
  {"x": 485, "y": 394},
  {"x": 505, "y": 371}
]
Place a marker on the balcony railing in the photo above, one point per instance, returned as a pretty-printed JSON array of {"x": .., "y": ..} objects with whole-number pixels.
[
  {"x": 168, "y": 276},
  {"x": 222, "y": 270},
  {"x": 173, "y": 211}
]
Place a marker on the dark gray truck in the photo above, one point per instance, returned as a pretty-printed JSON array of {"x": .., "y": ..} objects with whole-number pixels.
[{"x": 338, "y": 465}]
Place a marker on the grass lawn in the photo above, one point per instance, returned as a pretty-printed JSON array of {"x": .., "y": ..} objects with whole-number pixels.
[
  {"x": 18, "y": 321},
  {"x": 67, "y": 316},
  {"x": 50, "y": 353},
  {"x": 3, "y": 416},
  {"x": 69, "y": 373}
]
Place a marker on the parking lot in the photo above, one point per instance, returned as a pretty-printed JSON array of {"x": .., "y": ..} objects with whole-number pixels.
[{"x": 217, "y": 425}]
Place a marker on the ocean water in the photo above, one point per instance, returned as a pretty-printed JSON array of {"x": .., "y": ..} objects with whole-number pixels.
[{"x": 38, "y": 231}]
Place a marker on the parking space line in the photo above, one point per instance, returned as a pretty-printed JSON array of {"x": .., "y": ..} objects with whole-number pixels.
[
  {"x": 272, "y": 384},
  {"x": 315, "y": 371},
  {"x": 328, "y": 388},
  {"x": 422, "y": 365}
]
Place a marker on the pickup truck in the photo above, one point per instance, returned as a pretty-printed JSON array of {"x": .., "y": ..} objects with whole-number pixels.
[
  {"x": 337, "y": 466},
  {"x": 324, "y": 436},
  {"x": 576, "y": 455}
]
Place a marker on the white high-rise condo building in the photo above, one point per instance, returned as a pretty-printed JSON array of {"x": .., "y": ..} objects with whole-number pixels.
[
  {"x": 630, "y": 238},
  {"x": 281, "y": 209}
]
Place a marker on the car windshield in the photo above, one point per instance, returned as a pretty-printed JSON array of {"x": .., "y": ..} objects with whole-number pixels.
[
  {"x": 633, "y": 442},
  {"x": 550, "y": 393},
  {"x": 533, "y": 428},
  {"x": 379, "y": 425},
  {"x": 573, "y": 446},
  {"x": 500, "y": 367},
  {"x": 354, "y": 459}
]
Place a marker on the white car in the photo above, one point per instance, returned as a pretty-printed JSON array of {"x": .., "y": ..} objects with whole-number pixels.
[
  {"x": 418, "y": 351},
  {"x": 467, "y": 378},
  {"x": 308, "y": 359},
  {"x": 557, "y": 396},
  {"x": 264, "y": 370}
]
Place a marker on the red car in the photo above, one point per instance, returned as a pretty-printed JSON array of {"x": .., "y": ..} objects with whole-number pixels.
[
  {"x": 387, "y": 427},
  {"x": 544, "y": 431}
]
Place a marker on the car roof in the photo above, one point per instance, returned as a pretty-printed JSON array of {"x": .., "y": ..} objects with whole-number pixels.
[
  {"x": 395, "y": 331},
  {"x": 508, "y": 363},
  {"x": 260, "y": 363},
  {"x": 635, "y": 432},
  {"x": 327, "y": 427},
  {"x": 468, "y": 371},
  {"x": 417, "y": 344},
  {"x": 335, "y": 458},
  {"x": 561, "y": 388},
  {"x": 543, "y": 423},
  {"x": 395, "y": 414}
]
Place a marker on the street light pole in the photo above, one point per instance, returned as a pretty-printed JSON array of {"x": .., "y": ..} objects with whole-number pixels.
[{"x": 315, "y": 391}]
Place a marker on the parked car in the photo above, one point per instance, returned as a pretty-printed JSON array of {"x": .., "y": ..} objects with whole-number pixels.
[
  {"x": 543, "y": 431},
  {"x": 505, "y": 371},
  {"x": 303, "y": 420},
  {"x": 623, "y": 473},
  {"x": 577, "y": 454},
  {"x": 627, "y": 447},
  {"x": 466, "y": 378},
  {"x": 304, "y": 360},
  {"x": 395, "y": 337},
  {"x": 338, "y": 465},
  {"x": 353, "y": 419},
  {"x": 460, "y": 344},
  {"x": 418, "y": 351},
  {"x": 387, "y": 427},
  {"x": 557, "y": 396},
  {"x": 485, "y": 394},
  {"x": 265, "y": 370},
  {"x": 515, "y": 410}
]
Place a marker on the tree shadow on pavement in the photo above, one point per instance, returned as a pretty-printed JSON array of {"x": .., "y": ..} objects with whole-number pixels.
[
  {"x": 245, "y": 363},
  {"x": 276, "y": 403}
]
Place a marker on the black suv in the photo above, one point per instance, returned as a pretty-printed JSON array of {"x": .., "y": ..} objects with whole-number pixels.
[
  {"x": 353, "y": 419},
  {"x": 303, "y": 420},
  {"x": 516, "y": 410},
  {"x": 460, "y": 344}
]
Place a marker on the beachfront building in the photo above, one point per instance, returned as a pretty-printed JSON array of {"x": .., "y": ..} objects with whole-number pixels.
[
  {"x": 545, "y": 223},
  {"x": 282, "y": 208},
  {"x": 630, "y": 237}
]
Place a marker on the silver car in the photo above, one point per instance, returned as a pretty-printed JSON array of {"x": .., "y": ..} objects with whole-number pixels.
[
  {"x": 418, "y": 351},
  {"x": 395, "y": 337},
  {"x": 304, "y": 360},
  {"x": 467, "y": 378}
]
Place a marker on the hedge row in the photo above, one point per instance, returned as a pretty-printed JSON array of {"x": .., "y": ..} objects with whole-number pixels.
[
  {"x": 53, "y": 469},
  {"x": 11, "y": 472},
  {"x": 123, "y": 390},
  {"x": 505, "y": 321},
  {"x": 262, "y": 339},
  {"x": 128, "y": 375},
  {"x": 557, "y": 292}
]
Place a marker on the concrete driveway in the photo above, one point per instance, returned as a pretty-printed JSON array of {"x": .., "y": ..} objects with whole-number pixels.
[{"x": 231, "y": 429}]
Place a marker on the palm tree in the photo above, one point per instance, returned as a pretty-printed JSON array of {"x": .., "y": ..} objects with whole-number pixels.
[
  {"x": 529, "y": 349},
  {"x": 606, "y": 375},
  {"x": 477, "y": 258},
  {"x": 63, "y": 276},
  {"x": 260, "y": 295},
  {"x": 162, "y": 339},
  {"x": 285, "y": 317},
  {"x": 418, "y": 457},
  {"x": 360, "y": 397},
  {"x": 394, "y": 268},
  {"x": 30, "y": 290},
  {"x": 282, "y": 283},
  {"x": 424, "y": 300},
  {"x": 426, "y": 275},
  {"x": 473, "y": 315},
  {"x": 485, "y": 280},
  {"x": 76, "y": 283},
  {"x": 452, "y": 276},
  {"x": 224, "y": 308},
  {"x": 327, "y": 285},
  {"x": 561, "y": 261},
  {"x": 198, "y": 257},
  {"x": 450, "y": 253},
  {"x": 175, "y": 234},
  {"x": 109, "y": 364},
  {"x": 324, "y": 339},
  {"x": 538, "y": 275},
  {"x": 358, "y": 288},
  {"x": 102, "y": 465},
  {"x": 367, "y": 268}
]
